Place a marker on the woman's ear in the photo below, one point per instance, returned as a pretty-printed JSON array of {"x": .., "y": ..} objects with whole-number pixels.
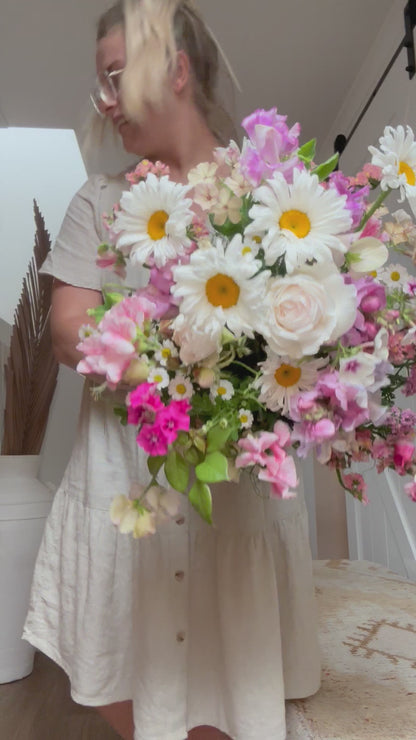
[{"x": 182, "y": 72}]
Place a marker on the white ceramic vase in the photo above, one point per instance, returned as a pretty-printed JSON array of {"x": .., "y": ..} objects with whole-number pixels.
[{"x": 24, "y": 505}]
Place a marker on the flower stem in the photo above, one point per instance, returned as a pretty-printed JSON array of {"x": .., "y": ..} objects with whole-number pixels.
[{"x": 376, "y": 205}]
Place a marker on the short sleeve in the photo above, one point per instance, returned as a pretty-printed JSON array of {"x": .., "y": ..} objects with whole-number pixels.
[{"x": 74, "y": 254}]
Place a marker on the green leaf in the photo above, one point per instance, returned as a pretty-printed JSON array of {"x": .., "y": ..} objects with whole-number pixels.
[
  {"x": 200, "y": 498},
  {"x": 155, "y": 463},
  {"x": 97, "y": 313},
  {"x": 307, "y": 152},
  {"x": 227, "y": 229},
  {"x": 111, "y": 298},
  {"x": 217, "y": 437},
  {"x": 214, "y": 469},
  {"x": 193, "y": 456},
  {"x": 324, "y": 170},
  {"x": 121, "y": 412},
  {"x": 177, "y": 471}
]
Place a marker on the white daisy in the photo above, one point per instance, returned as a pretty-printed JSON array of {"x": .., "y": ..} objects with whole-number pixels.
[
  {"x": 395, "y": 276},
  {"x": 152, "y": 221},
  {"x": 282, "y": 377},
  {"x": 218, "y": 289},
  {"x": 159, "y": 376},
  {"x": 223, "y": 389},
  {"x": 301, "y": 221},
  {"x": 245, "y": 418},
  {"x": 180, "y": 387},
  {"x": 166, "y": 352},
  {"x": 397, "y": 159}
]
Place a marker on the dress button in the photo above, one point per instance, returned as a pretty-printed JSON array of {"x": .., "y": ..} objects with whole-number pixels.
[
  {"x": 180, "y": 636},
  {"x": 179, "y": 575},
  {"x": 180, "y": 520}
]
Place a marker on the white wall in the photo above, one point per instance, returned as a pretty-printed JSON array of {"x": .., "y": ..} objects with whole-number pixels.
[
  {"x": 384, "y": 531},
  {"x": 45, "y": 165}
]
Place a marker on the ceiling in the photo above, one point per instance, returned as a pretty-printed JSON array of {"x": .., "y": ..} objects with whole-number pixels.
[{"x": 301, "y": 55}]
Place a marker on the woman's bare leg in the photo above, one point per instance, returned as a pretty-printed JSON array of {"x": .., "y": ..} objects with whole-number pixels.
[
  {"x": 120, "y": 717},
  {"x": 204, "y": 732}
]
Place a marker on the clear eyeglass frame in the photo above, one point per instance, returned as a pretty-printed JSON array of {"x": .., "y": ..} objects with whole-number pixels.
[{"x": 106, "y": 90}]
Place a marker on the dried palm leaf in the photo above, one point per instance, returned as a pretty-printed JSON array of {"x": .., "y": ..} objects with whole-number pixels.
[{"x": 31, "y": 370}]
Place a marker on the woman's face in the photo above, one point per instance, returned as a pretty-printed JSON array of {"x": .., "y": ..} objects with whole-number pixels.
[{"x": 141, "y": 139}]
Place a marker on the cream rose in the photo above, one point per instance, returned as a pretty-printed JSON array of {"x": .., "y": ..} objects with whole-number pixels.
[
  {"x": 194, "y": 346},
  {"x": 307, "y": 309}
]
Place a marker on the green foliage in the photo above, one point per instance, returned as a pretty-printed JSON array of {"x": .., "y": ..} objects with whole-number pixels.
[
  {"x": 155, "y": 463},
  {"x": 324, "y": 170},
  {"x": 217, "y": 437},
  {"x": 213, "y": 469},
  {"x": 306, "y": 153},
  {"x": 121, "y": 412},
  {"x": 177, "y": 471},
  {"x": 201, "y": 500}
]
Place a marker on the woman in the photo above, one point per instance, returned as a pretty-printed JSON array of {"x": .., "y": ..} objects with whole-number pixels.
[{"x": 195, "y": 626}]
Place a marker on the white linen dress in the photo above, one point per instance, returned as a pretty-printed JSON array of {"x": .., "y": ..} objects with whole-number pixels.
[{"x": 196, "y": 624}]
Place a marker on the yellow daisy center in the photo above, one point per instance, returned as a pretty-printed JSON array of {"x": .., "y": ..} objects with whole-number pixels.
[
  {"x": 257, "y": 239},
  {"x": 166, "y": 353},
  {"x": 405, "y": 169},
  {"x": 373, "y": 273},
  {"x": 244, "y": 418},
  {"x": 297, "y": 222},
  {"x": 287, "y": 375},
  {"x": 395, "y": 276},
  {"x": 221, "y": 290},
  {"x": 157, "y": 378},
  {"x": 246, "y": 250},
  {"x": 221, "y": 391},
  {"x": 181, "y": 389},
  {"x": 156, "y": 225}
]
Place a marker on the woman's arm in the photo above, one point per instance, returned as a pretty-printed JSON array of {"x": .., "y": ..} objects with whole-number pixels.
[{"x": 68, "y": 313}]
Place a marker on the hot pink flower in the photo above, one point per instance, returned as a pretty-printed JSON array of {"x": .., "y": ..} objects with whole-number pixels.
[
  {"x": 143, "y": 404},
  {"x": 174, "y": 418},
  {"x": 402, "y": 456},
  {"x": 152, "y": 440}
]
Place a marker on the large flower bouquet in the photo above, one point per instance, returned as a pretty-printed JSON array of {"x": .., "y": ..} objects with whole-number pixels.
[{"x": 271, "y": 325}]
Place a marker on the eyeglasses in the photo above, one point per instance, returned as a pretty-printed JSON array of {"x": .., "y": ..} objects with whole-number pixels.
[{"x": 106, "y": 90}]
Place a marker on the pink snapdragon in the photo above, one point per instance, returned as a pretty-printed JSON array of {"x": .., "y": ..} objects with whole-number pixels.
[
  {"x": 266, "y": 450},
  {"x": 144, "y": 168},
  {"x": 355, "y": 484},
  {"x": 410, "y": 489}
]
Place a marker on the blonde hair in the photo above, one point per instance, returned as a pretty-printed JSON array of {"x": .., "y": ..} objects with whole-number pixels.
[{"x": 155, "y": 31}]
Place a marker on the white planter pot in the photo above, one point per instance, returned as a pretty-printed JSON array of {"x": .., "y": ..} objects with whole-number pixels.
[{"x": 24, "y": 505}]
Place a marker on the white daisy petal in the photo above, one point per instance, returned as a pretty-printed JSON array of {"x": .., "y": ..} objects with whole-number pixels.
[
  {"x": 397, "y": 160},
  {"x": 152, "y": 221},
  {"x": 301, "y": 221},
  {"x": 218, "y": 289},
  {"x": 282, "y": 377},
  {"x": 223, "y": 389}
]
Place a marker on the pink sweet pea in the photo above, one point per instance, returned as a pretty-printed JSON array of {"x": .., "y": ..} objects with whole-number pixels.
[
  {"x": 282, "y": 476},
  {"x": 255, "y": 449}
]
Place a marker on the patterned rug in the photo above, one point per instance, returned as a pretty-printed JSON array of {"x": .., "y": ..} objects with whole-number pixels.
[{"x": 368, "y": 641}]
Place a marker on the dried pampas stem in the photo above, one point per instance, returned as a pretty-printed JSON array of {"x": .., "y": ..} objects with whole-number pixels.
[{"x": 31, "y": 370}]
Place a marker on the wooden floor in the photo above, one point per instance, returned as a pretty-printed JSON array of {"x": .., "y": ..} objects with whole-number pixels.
[{"x": 39, "y": 707}]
